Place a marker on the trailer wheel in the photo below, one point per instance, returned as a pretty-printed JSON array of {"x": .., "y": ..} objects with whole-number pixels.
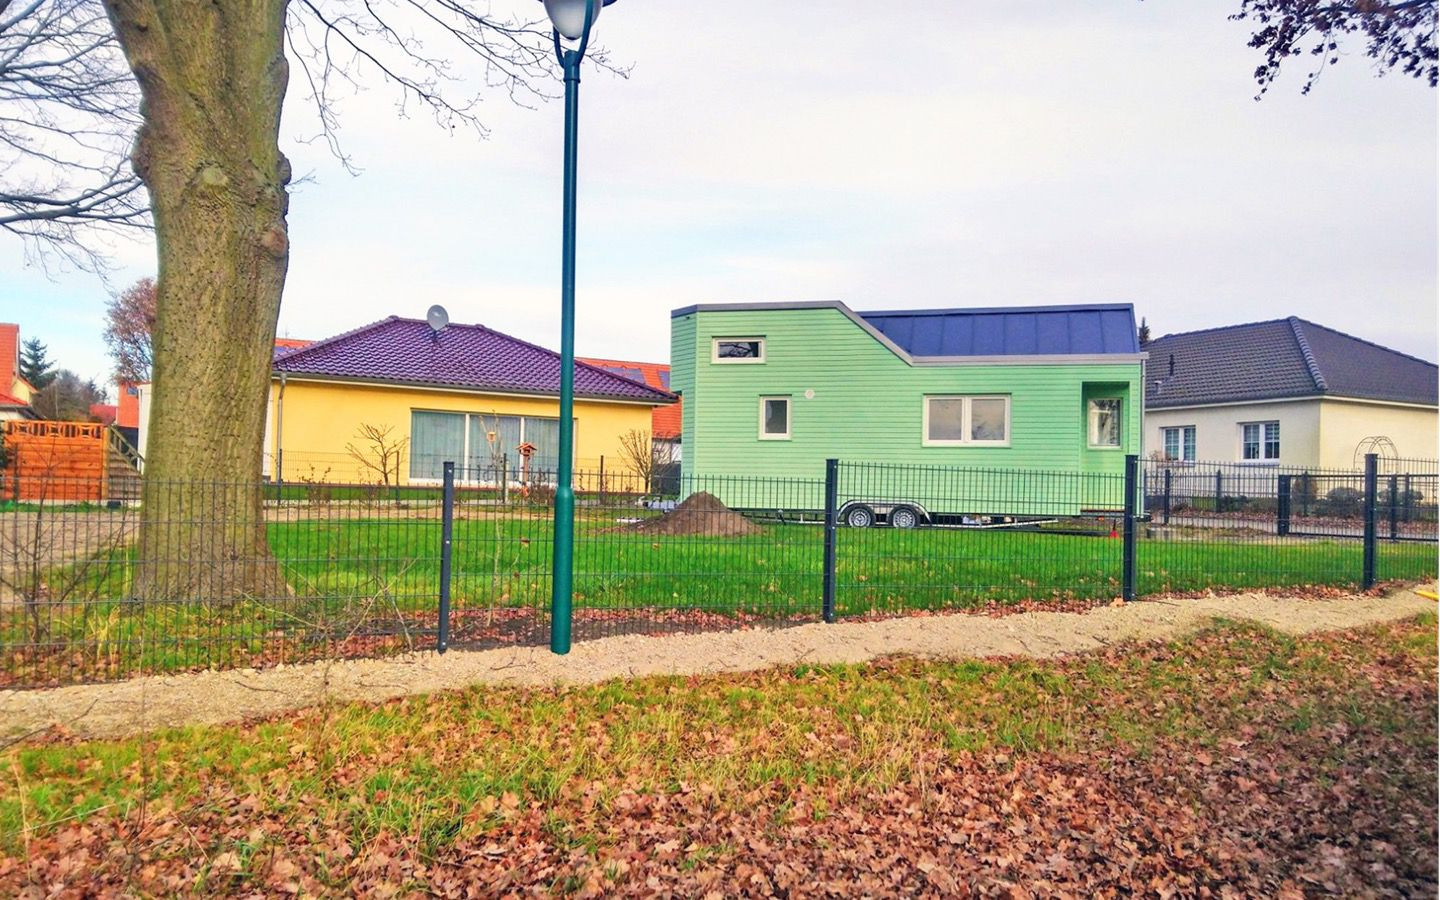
[
  {"x": 904, "y": 517},
  {"x": 859, "y": 516}
]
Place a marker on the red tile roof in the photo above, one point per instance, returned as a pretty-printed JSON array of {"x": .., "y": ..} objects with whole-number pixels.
[{"x": 664, "y": 420}]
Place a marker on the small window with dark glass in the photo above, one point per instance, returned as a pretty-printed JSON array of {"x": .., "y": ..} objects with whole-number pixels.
[
  {"x": 774, "y": 418},
  {"x": 738, "y": 350}
]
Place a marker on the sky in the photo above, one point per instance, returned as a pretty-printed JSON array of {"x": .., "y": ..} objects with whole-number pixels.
[{"x": 905, "y": 155}]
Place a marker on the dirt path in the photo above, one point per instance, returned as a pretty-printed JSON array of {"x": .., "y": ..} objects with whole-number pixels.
[{"x": 212, "y": 697}]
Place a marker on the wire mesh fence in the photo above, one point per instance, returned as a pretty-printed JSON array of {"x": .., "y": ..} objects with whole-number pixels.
[
  {"x": 715, "y": 552},
  {"x": 196, "y": 575},
  {"x": 922, "y": 537},
  {"x": 1235, "y": 526},
  {"x": 221, "y": 575}
]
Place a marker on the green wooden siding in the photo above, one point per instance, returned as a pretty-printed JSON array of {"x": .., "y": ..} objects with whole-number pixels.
[{"x": 867, "y": 402}]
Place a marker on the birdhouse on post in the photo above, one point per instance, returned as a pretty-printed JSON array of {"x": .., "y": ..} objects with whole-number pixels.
[{"x": 526, "y": 450}]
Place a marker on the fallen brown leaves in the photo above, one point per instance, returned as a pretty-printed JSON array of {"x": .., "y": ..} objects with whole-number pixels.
[{"x": 1259, "y": 766}]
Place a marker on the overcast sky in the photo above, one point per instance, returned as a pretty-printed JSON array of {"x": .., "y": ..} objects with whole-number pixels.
[{"x": 896, "y": 155}]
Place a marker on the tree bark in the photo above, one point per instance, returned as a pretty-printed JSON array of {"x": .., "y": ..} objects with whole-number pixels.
[{"x": 212, "y": 76}]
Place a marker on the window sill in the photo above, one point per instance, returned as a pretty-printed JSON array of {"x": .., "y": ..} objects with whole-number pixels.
[{"x": 974, "y": 444}]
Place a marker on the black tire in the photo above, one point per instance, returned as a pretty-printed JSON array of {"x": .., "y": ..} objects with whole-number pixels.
[
  {"x": 904, "y": 517},
  {"x": 859, "y": 516}
]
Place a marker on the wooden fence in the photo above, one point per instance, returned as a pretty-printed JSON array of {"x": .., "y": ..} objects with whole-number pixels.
[{"x": 47, "y": 460}]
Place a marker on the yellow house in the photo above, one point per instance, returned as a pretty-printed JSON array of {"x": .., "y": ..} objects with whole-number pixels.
[{"x": 396, "y": 399}]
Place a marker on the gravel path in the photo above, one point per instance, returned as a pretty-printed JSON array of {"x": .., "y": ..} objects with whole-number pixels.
[{"x": 112, "y": 710}]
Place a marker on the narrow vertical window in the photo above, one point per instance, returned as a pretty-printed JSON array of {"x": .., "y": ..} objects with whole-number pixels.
[
  {"x": 1105, "y": 422},
  {"x": 774, "y": 418}
]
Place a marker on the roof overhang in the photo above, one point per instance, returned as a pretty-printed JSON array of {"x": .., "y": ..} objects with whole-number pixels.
[
  {"x": 287, "y": 377},
  {"x": 1286, "y": 398}
]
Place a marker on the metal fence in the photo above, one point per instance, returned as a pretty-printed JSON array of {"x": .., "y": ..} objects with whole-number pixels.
[{"x": 240, "y": 575}]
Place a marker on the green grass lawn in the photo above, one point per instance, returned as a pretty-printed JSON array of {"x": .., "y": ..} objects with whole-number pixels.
[
  {"x": 1239, "y": 758},
  {"x": 373, "y": 580}
]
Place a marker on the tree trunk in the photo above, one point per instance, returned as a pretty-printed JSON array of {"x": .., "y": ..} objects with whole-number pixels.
[{"x": 212, "y": 76}]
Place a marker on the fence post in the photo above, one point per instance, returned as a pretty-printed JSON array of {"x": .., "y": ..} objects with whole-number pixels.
[
  {"x": 505, "y": 478},
  {"x": 1282, "y": 506},
  {"x": 1132, "y": 480},
  {"x": 832, "y": 490},
  {"x": 1408, "y": 498},
  {"x": 1166, "y": 508},
  {"x": 1219, "y": 491},
  {"x": 602, "y": 479},
  {"x": 1367, "y": 577},
  {"x": 447, "y": 530},
  {"x": 1394, "y": 506}
]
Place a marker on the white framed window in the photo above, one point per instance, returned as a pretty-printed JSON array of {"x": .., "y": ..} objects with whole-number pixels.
[
  {"x": 979, "y": 420},
  {"x": 737, "y": 350},
  {"x": 483, "y": 446},
  {"x": 1179, "y": 443},
  {"x": 1260, "y": 441},
  {"x": 775, "y": 418},
  {"x": 1104, "y": 423}
]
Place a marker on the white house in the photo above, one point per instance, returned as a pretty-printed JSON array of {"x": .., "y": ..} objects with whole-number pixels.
[{"x": 1286, "y": 392}]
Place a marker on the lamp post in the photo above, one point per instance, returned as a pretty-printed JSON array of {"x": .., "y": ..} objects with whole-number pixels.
[{"x": 572, "y": 20}]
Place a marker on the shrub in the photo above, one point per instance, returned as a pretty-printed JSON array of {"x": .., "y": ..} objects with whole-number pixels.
[{"x": 1342, "y": 501}]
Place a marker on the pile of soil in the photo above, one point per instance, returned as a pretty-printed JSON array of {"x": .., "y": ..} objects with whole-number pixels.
[{"x": 700, "y": 514}]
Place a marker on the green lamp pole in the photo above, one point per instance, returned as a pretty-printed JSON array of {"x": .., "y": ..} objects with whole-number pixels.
[{"x": 572, "y": 20}]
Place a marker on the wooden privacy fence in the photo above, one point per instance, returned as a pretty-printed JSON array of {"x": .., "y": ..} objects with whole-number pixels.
[{"x": 55, "y": 461}]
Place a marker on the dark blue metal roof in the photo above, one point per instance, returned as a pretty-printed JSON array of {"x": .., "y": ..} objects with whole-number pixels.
[{"x": 1010, "y": 331}]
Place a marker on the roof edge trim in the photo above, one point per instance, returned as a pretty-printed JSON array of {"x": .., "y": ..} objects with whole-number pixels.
[
  {"x": 877, "y": 334},
  {"x": 1310, "y": 363}
]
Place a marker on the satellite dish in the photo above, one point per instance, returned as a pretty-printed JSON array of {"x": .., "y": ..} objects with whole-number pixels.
[{"x": 437, "y": 317}]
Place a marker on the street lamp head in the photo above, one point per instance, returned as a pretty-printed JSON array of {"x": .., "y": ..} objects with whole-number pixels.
[{"x": 568, "y": 16}]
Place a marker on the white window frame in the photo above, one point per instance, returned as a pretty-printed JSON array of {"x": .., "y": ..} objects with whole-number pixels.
[
  {"x": 716, "y": 358},
  {"x": 465, "y": 444},
  {"x": 789, "y": 411},
  {"x": 1261, "y": 459},
  {"x": 965, "y": 422},
  {"x": 1090, "y": 423},
  {"x": 1179, "y": 442}
]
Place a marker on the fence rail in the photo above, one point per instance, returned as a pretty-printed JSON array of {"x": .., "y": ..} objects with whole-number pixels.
[{"x": 236, "y": 575}]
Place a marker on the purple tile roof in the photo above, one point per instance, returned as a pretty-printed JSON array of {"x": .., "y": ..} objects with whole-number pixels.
[
  {"x": 470, "y": 357},
  {"x": 1279, "y": 359}
]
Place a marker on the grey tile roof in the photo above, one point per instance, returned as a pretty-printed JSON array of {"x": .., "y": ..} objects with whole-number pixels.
[
  {"x": 1279, "y": 359},
  {"x": 471, "y": 357}
]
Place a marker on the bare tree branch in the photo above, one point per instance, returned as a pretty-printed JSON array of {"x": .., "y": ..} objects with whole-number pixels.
[
  {"x": 70, "y": 111},
  {"x": 69, "y": 105}
]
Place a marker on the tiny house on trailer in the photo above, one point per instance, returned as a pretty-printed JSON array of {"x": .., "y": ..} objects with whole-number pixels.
[{"x": 930, "y": 397}]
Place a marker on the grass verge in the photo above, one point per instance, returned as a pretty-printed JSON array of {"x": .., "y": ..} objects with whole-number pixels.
[{"x": 1240, "y": 757}]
